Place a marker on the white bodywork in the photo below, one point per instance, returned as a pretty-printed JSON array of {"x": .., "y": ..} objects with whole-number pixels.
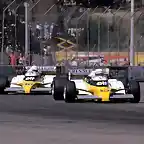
[
  {"x": 16, "y": 79},
  {"x": 33, "y": 71},
  {"x": 47, "y": 80},
  {"x": 100, "y": 75},
  {"x": 113, "y": 83},
  {"x": 116, "y": 84}
]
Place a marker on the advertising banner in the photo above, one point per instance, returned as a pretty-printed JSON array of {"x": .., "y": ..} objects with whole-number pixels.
[{"x": 94, "y": 57}]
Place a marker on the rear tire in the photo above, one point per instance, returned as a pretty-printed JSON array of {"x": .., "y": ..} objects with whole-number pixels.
[
  {"x": 58, "y": 87},
  {"x": 134, "y": 87},
  {"x": 3, "y": 84},
  {"x": 70, "y": 92}
]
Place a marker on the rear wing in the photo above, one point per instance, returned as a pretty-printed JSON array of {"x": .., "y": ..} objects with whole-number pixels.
[
  {"x": 43, "y": 68},
  {"x": 133, "y": 72},
  {"x": 50, "y": 70},
  {"x": 73, "y": 71},
  {"x": 136, "y": 73}
]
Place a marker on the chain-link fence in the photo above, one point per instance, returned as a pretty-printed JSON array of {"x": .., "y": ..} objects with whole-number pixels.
[
  {"x": 81, "y": 36},
  {"x": 106, "y": 32}
]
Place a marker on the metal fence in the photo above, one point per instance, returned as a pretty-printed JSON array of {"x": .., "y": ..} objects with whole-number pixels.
[
  {"x": 108, "y": 33},
  {"x": 101, "y": 33},
  {"x": 35, "y": 59},
  {"x": 87, "y": 36}
]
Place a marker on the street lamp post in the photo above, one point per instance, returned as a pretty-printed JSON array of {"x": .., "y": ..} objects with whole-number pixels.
[
  {"x": 27, "y": 10},
  {"x": 3, "y": 23},
  {"x": 26, "y": 5},
  {"x": 88, "y": 33},
  {"x": 132, "y": 53}
]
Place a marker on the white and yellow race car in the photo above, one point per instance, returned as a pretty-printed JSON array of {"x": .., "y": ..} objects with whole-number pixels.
[
  {"x": 100, "y": 85},
  {"x": 32, "y": 82}
]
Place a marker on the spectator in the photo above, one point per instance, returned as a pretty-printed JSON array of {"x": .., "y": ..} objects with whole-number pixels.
[
  {"x": 39, "y": 30},
  {"x": 51, "y": 30},
  {"x": 13, "y": 59},
  {"x": 46, "y": 31},
  {"x": 21, "y": 59},
  {"x": 8, "y": 49}
]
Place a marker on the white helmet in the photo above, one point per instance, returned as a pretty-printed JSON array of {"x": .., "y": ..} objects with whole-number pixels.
[
  {"x": 102, "y": 71},
  {"x": 33, "y": 68},
  {"x": 98, "y": 71},
  {"x": 107, "y": 71}
]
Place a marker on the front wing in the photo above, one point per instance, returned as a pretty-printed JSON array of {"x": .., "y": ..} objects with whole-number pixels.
[
  {"x": 87, "y": 95},
  {"x": 20, "y": 90},
  {"x": 113, "y": 97}
]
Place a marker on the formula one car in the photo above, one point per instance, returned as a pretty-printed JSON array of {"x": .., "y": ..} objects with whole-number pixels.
[
  {"x": 100, "y": 85},
  {"x": 32, "y": 82}
]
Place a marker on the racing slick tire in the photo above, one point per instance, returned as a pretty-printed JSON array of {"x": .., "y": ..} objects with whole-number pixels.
[
  {"x": 58, "y": 87},
  {"x": 70, "y": 92},
  {"x": 3, "y": 84},
  {"x": 134, "y": 88}
]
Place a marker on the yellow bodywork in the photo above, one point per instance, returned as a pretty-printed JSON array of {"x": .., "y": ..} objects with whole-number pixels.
[
  {"x": 28, "y": 85},
  {"x": 102, "y": 92}
]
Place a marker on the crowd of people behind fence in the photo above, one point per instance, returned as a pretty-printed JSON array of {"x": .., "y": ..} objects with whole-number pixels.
[
  {"x": 16, "y": 58},
  {"x": 14, "y": 40}
]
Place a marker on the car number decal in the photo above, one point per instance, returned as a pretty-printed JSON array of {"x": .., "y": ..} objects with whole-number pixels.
[
  {"x": 103, "y": 83},
  {"x": 30, "y": 78}
]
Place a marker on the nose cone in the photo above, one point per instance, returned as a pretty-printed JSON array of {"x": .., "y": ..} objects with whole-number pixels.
[
  {"x": 27, "y": 86},
  {"x": 27, "y": 89},
  {"x": 103, "y": 92}
]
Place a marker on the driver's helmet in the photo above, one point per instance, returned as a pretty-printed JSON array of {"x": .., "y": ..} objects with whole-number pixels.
[
  {"x": 98, "y": 72},
  {"x": 34, "y": 69},
  {"x": 107, "y": 71},
  {"x": 102, "y": 72}
]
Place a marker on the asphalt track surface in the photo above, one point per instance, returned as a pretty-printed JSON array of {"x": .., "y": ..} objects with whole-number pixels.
[{"x": 41, "y": 120}]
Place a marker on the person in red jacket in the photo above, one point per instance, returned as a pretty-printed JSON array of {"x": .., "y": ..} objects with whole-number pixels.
[{"x": 13, "y": 59}]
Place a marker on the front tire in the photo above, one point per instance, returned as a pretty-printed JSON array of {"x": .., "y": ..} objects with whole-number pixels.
[
  {"x": 3, "y": 84},
  {"x": 134, "y": 88},
  {"x": 70, "y": 92},
  {"x": 58, "y": 88}
]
